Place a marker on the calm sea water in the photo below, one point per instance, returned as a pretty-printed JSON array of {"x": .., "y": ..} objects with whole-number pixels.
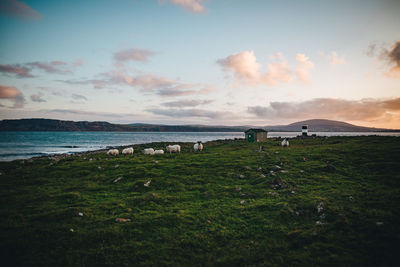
[{"x": 22, "y": 145}]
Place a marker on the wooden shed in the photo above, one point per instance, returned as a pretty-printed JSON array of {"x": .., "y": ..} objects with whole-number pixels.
[{"x": 256, "y": 135}]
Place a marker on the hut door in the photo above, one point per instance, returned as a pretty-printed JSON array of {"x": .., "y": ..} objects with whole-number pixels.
[{"x": 250, "y": 137}]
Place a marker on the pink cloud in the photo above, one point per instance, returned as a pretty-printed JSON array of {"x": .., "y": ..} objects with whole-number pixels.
[
  {"x": 302, "y": 71},
  {"x": 244, "y": 65},
  {"x": 194, "y": 6},
  {"x": 246, "y": 69},
  {"x": 13, "y": 94},
  {"x": 331, "y": 108},
  {"x": 18, "y": 9}
]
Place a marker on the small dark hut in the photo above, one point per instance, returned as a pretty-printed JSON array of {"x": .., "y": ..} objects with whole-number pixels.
[{"x": 256, "y": 135}]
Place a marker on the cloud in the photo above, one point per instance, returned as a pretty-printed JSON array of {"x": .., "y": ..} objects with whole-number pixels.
[
  {"x": 393, "y": 57},
  {"x": 335, "y": 59},
  {"x": 246, "y": 69},
  {"x": 194, "y": 6},
  {"x": 186, "y": 103},
  {"x": 331, "y": 108},
  {"x": 189, "y": 113},
  {"x": 82, "y": 112},
  {"x": 13, "y": 94},
  {"x": 79, "y": 97},
  {"x": 24, "y": 70},
  {"x": 58, "y": 67},
  {"x": 14, "y": 8},
  {"x": 243, "y": 64},
  {"x": 18, "y": 70},
  {"x": 390, "y": 56},
  {"x": 148, "y": 83},
  {"x": 133, "y": 55},
  {"x": 38, "y": 97},
  {"x": 302, "y": 71}
]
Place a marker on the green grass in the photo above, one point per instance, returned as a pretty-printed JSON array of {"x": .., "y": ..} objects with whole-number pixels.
[{"x": 191, "y": 214}]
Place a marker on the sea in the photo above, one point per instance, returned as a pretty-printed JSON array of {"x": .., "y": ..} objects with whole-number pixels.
[{"x": 24, "y": 145}]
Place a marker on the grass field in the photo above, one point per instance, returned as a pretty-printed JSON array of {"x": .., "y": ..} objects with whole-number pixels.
[{"x": 327, "y": 202}]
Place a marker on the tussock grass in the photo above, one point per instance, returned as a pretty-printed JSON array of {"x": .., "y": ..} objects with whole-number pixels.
[{"x": 215, "y": 207}]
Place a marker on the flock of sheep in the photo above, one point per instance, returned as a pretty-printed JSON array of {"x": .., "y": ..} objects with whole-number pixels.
[
  {"x": 150, "y": 151},
  {"x": 170, "y": 148}
]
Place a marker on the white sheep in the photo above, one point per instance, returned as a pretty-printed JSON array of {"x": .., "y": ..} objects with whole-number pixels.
[
  {"x": 113, "y": 152},
  {"x": 198, "y": 146},
  {"x": 174, "y": 148},
  {"x": 285, "y": 143},
  {"x": 128, "y": 151},
  {"x": 148, "y": 151},
  {"x": 158, "y": 152}
]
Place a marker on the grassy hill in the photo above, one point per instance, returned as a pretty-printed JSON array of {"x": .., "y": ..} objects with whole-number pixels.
[{"x": 320, "y": 202}]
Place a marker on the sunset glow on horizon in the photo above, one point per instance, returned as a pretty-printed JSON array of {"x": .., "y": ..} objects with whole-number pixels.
[{"x": 214, "y": 62}]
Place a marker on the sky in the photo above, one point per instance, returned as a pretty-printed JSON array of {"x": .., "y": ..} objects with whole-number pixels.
[{"x": 211, "y": 62}]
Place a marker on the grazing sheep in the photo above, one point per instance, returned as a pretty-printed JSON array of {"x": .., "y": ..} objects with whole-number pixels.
[
  {"x": 285, "y": 143},
  {"x": 148, "y": 151},
  {"x": 198, "y": 146},
  {"x": 128, "y": 151},
  {"x": 113, "y": 152},
  {"x": 174, "y": 148},
  {"x": 158, "y": 152}
]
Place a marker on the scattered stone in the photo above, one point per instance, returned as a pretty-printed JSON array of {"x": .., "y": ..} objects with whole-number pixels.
[
  {"x": 304, "y": 159},
  {"x": 147, "y": 184},
  {"x": 242, "y": 201},
  {"x": 90, "y": 159},
  {"x": 351, "y": 198},
  {"x": 118, "y": 179},
  {"x": 80, "y": 214},
  {"x": 276, "y": 168},
  {"x": 379, "y": 223},
  {"x": 122, "y": 220},
  {"x": 241, "y": 176},
  {"x": 319, "y": 223},
  {"x": 71, "y": 230},
  {"x": 116, "y": 166},
  {"x": 99, "y": 167},
  {"x": 247, "y": 167},
  {"x": 262, "y": 175},
  {"x": 283, "y": 171},
  {"x": 278, "y": 183},
  {"x": 320, "y": 207},
  {"x": 259, "y": 169},
  {"x": 276, "y": 152},
  {"x": 243, "y": 194},
  {"x": 297, "y": 213},
  {"x": 273, "y": 193},
  {"x": 1, "y": 173},
  {"x": 155, "y": 161},
  {"x": 322, "y": 216},
  {"x": 301, "y": 171},
  {"x": 238, "y": 189},
  {"x": 292, "y": 192},
  {"x": 271, "y": 173},
  {"x": 278, "y": 159}
]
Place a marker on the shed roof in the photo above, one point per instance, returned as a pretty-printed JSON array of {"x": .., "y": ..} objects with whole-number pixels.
[{"x": 255, "y": 130}]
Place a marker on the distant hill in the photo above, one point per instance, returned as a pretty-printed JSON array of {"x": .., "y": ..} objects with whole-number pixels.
[
  {"x": 320, "y": 125},
  {"x": 60, "y": 125}
]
